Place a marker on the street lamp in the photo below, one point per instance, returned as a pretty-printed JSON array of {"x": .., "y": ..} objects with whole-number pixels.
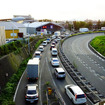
[{"x": 28, "y": 39}]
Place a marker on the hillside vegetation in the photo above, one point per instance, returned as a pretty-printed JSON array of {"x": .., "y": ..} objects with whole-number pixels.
[{"x": 99, "y": 44}]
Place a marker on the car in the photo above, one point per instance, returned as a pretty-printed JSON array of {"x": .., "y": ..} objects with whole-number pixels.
[
  {"x": 48, "y": 40},
  {"x": 54, "y": 52},
  {"x": 52, "y": 46},
  {"x": 54, "y": 62},
  {"x": 53, "y": 43},
  {"x": 41, "y": 48},
  {"x": 76, "y": 94},
  {"x": 37, "y": 54},
  {"x": 58, "y": 39},
  {"x": 44, "y": 43},
  {"x": 31, "y": 93},
  {"x": 59, "y": 73}
]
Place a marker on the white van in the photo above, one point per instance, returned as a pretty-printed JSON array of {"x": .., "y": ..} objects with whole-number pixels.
[{"x": 54, "y": 52}]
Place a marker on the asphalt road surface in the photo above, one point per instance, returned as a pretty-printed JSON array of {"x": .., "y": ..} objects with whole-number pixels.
[
  {"x": 90, "y": 65},
  {"x": 46, "y": 73}
]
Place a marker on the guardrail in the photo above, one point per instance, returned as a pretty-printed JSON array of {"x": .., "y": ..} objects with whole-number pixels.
[{"x": 90, "y": 91}]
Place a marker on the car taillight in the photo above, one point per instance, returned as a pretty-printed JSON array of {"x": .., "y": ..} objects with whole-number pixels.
[
  {"x": 25, "y": 96},
  {"x": 37, "y": 96},
  {"x": 27, "y": 78},
  {"x": 75, "y": 97},
  {"x": 36, "y": 78}
]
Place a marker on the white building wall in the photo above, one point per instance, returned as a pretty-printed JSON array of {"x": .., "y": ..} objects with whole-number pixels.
[
  {"x": 2, "y": 35},
  {"x": 23, "y": 30}
]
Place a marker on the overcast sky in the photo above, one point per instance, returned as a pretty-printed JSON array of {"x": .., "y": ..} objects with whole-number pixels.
[{"x": 54, "y": 9}]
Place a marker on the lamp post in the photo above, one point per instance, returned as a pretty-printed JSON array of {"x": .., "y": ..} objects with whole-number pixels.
[{"x": 28, "y": 40}]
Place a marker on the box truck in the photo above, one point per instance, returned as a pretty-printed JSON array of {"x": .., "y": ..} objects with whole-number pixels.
[
  {"x": 83, "y": 29},
  {"x": 33, "y": 69},
  {"x": 57, "y": 33}
]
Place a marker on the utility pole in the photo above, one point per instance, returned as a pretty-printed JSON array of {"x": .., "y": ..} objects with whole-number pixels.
[{"x": 13, "y": 32}]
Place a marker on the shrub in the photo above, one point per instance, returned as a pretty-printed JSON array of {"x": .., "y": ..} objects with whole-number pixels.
[
  {"x": 99, "y": 44},
  {"x": 6, "y": 98}
]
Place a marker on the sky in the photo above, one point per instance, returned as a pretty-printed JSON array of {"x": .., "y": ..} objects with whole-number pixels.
[{"x": 54, "y": 9}]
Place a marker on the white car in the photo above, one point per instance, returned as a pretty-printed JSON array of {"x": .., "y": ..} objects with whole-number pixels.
[
  {"x": 59, "y": 72},
  {"x": 58, "y": 39},
  {"x": 41, "y": 48},
  {"x": 31, "y": 93},
  {"x": 54, "y": 62},
  {"x": 37, "y": 54},
  {"x": 75, "y": 93},
  {"x": 44, "y": 43},
  {"x": 54, "y": 52}
]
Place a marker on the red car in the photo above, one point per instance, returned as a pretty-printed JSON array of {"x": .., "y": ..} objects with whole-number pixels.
[{"x": 52, "y": 46}]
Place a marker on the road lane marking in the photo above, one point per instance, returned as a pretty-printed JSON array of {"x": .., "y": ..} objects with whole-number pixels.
[
  {"x": 18, "y": 86},
  {"x": 40, "y": 83},
  {"x": 54, "y": 82}
]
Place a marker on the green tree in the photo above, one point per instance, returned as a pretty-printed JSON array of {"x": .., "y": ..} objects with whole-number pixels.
[
  {"x": 89, "y": 25},
  {"x": 103, "y": 24},
  {"x": 99, "y": 24}
]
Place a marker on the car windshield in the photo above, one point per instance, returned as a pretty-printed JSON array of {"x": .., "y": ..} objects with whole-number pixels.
[
  {"x": 37, "y": 54},
  {"x": 44, "y": 42},
  {"x": 81, "y": 96},
  {"x": 61, "y": 72},
  {"x": 54, "y": 51},
  {"x": 55, "y": 60},
  {"x": 31, "y": 92}
]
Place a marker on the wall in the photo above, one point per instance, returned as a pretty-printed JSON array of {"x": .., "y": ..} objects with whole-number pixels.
[
  {"x": 2, "y": 35},
  {"x": 23, "y": 30},
  {"x": 10, "y": 63},
  {"x": 8, "y": 33}
]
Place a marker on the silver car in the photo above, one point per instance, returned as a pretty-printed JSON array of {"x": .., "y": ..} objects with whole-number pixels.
[{"x": 54, "y": 62}]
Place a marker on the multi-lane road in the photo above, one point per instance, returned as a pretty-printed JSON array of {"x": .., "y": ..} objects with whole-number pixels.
[
  {"x": 87, "y": 62},
  {"x": 76, "y": 49}
]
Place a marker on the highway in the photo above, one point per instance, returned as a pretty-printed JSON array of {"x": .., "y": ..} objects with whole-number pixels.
[
  {"x": 46, "y": 74},
  {"x": 90, "y": 65}
]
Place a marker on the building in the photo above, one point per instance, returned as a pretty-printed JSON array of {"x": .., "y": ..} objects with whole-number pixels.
[
  {"x": 42, "y": 27},
  {"x": 21, "y": 27},
  {"x": 23, "y": 18},
  {"x": 13, "y": 29},
  {"x": 2, "y": 35}
]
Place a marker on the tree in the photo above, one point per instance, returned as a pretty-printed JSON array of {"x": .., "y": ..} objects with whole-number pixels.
[
  {"x": 89, "y": 25},
  {"x": 103, "y": 24},
  {"x": 99, "y": 24}
]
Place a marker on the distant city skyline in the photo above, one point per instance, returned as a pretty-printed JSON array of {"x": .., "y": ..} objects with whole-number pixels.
[{"x": 56, "y": 10}]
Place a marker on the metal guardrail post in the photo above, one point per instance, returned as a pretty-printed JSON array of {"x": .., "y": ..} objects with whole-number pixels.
[{"x": 64, "y": 61}]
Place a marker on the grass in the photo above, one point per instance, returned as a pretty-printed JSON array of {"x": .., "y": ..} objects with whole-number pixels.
[{"x": 98, "y": 43}]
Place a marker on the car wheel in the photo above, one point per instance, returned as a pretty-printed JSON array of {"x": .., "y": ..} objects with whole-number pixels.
[
  {"x": 56, "y": 77},
  {"x": 72, "y": 101}
]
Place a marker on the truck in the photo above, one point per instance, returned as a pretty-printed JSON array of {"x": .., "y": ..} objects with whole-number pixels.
[
  {"x": 57, "y": 33},
  {"x": 33, "y": 69},
  {"x": 103, "y": 28},
  {"x": 83, "y": 29}
]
